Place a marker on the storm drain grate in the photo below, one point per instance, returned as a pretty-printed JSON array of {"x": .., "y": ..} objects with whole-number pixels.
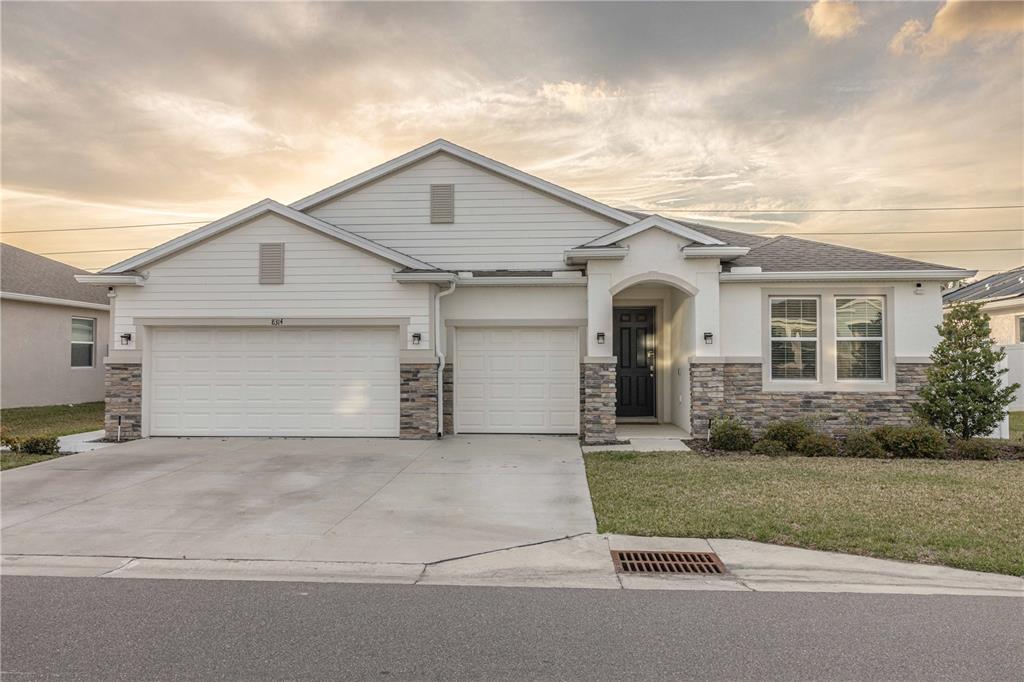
[{"x": 700, "y": 563}]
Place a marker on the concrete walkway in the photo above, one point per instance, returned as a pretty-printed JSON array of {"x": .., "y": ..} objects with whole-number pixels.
[
  {"x": 83, "y": 442},
  {"x": 582, "y": 561}
]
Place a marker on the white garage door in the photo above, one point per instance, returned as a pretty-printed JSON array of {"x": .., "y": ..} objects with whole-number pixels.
[
  {"x": 517, "y": 380},
  {"x": 224, "y": 381}
]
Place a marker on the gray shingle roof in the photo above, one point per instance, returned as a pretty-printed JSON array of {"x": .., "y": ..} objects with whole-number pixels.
[
  {"x": 790, "y": 254},
  {"x": 24, "y": 272},
  {"x": 1000, "y": 286}
]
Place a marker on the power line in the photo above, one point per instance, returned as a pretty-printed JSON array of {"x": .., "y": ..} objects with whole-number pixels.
[
  {"x": 948, "y": 250},
  {"x": 105, "y": 227},
  {"x": 868, "y": 234},
  {"x": 843, "y": 210}
]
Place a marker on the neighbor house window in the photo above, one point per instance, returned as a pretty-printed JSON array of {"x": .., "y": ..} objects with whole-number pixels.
[
  {"x": 860, "y": 338},
  {"x": 794, "y": 338},
  {"x": 83, "y": 341},
  {"x": 1020, "y": 329}
]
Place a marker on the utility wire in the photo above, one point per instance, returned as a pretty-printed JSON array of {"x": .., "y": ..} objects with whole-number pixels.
[
  {"x": 843, "y": 210},
  {"x": 106, "y": 227}
]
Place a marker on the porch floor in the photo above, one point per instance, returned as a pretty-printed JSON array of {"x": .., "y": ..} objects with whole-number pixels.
[{"x": 646, "y": 438}]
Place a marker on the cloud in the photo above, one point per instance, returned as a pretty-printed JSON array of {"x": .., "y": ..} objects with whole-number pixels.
[
  {"x": 833, "y": 19},
  {"x": 960, "y": 21}
]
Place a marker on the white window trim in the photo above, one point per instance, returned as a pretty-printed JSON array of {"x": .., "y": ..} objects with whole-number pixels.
[
  {"x": 92, "y": 355},
  {"x": 1018, "y": 330},
  {"x": 816, "y": 339},
  {"x": 835, "y": 313}
]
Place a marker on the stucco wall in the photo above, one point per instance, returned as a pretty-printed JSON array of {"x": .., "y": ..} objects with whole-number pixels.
[
  {"x": 1004, "y": 324},
  {"x": 35, "y": 354}
]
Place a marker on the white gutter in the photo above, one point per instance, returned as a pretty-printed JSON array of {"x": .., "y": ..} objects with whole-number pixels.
[
  {"x": 523, "y": 281},
  {"x": 440, "y": 355},
  {"x": 47, "y": 300},
  {"x": 848, "y": 275},
  {"x": 582, "y": 255},
  {"x": 722, "y": 252},
  {"x": 111, "y": 280}
]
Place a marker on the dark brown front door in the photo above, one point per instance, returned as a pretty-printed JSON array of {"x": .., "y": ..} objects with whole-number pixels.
[{"x": 634, "y": 346}]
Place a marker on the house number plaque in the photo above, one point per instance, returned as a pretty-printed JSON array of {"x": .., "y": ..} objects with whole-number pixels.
[{"x": 276, "y": 321}]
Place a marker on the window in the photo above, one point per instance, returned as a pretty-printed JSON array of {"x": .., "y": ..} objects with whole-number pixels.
[
  {"x": 794, "y": 338},
  {"x": 83, "y": 341},
  {"x": 1020, "y": 329},
  {"x": 859, "y": 338}
]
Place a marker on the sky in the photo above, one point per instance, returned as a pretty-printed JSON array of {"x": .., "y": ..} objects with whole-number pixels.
[{"x": 138, "y": 113}]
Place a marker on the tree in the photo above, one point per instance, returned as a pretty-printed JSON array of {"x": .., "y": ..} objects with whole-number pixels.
[{"x": 963, "y": 395}]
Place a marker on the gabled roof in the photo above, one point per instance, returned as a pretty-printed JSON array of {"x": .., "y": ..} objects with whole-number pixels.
[
  {"x": 255, "y": 211},
  {"x": 1001, "y": 286},
  {"x": 791, "y": 254},
  {"x": 654, "y": 221},
  {"x": 29, "y": 274},
  {"x": 469, "y": 156}
]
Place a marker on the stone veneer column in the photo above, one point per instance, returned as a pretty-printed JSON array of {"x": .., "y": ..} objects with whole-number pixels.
[
  {"x": 123, "y": 387},
  {"x": 448, "y": 389},
  {"x": 597, "y": 421},
  {"x": 418, "y": 404},
  {"x": 735, "y": 390}
]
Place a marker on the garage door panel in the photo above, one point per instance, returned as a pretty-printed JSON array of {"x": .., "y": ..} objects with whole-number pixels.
[
  {"x": 517, "y": 380},
  {"x": 291, "y": 381}
]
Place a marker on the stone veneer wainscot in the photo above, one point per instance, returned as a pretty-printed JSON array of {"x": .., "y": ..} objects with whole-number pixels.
[
  {"x": 597, "y": 412},
  {"x": 123, "y": 384},
  {"x": 418, "y": 405},
  {"x": 722, "y": 389}
]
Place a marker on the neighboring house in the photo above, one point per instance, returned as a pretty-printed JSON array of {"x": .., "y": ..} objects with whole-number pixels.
[
  {"x": 540, "y": 311},
  {"x": 1003, "y": 298},
  {"x": 53, "y": 332}
]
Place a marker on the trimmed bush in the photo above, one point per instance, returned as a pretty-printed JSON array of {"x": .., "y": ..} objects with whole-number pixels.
[
  {"x": 973, "y": 448},
  {"x": 13, "y": 442},
  {"x": 912, "y": 441},
  {"x": 789, "y": 433},
  {"x": 818, "y": 445},
  {"x": 730, "y": 434},
  {"x": 861, "y": 443},
  {"x": 772, "y": 448},
  {"x": 39, "y": 445}
]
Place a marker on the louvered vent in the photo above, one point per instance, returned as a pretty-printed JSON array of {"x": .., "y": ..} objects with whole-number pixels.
[
  {"x": 271, "y": 263},
  {"x": 442, "y": 203}
]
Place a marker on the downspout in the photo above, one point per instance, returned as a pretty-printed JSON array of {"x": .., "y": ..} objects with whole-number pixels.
[{"x": 438, "y": 328}]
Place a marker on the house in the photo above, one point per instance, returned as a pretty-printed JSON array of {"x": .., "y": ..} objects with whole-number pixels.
[
  {"x": 53, "y": 332},
  {"x": 445, "y": 292},
  {"x": 1002, "y": 296}
]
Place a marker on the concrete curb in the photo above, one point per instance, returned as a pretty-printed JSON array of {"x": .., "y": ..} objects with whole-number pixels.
[{"x": 581, "y": 561}]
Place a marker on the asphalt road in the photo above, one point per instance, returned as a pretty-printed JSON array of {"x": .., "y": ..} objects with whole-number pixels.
[{"x": 99, "y": 629}]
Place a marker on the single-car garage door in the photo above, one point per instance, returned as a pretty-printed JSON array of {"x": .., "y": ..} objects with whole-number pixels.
[
  {"x": 517, "y": 380},
  {"x": 283, "y": 381}
]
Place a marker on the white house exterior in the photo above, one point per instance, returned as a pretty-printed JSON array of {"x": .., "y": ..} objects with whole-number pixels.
[{"x": 444, "y": 292}]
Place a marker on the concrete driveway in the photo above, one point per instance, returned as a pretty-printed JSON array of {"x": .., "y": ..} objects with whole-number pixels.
[{"x": 363, "y": 500}]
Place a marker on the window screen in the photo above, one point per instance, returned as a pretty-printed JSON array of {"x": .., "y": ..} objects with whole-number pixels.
[{"x": 859, "y": 338}]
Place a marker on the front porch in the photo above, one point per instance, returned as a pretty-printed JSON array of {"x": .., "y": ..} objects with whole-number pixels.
[{"x": 645, "y": 437}]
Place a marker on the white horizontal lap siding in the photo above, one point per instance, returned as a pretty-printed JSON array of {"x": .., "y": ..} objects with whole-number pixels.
[
  {"x": 322, "y": 278},
  {"x": 498, "y": 223}
]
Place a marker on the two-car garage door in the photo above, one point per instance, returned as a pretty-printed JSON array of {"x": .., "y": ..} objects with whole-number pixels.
[
  {"x": 517, "y": 380},
  {"x": 274, "y": 381}
]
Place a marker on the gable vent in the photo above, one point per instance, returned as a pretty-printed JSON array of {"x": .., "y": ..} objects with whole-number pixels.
[
  {"x": 271, "y": 263},
  {"x": 442, "y": 203}
]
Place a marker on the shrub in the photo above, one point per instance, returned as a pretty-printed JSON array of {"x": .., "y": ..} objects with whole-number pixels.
[
  {"x": 974, "y": 448},
  {"x": 789, "y": 433},
  {"x": 40, "y": 445},
  {"x": 13, "y": 442},
  {"x": 772, "y": 448},
  {"x": 861, "y": 443},
  {"x": 912, "y": 441},
  {"x": 730, "y": 434},
  {"x": 963, "y": 395},
  {"x": 818, "y": 445}
]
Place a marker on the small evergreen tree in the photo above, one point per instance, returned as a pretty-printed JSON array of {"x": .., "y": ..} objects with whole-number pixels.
[{"x": 963, "y": 396}]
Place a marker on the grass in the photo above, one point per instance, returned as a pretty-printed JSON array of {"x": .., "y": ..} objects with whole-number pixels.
[
  {"x": 48, "y": 420},
  {"x": 1017, "y": 425},
  {"x": 965, "y": 514},
  {"x": 52, "y": 420}
]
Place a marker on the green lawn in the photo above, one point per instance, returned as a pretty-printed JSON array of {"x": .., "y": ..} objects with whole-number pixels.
[
  {"x": 52, "y": 420},
  {"x": 1017, "y": 425},
  {"x": 965, "y": 514},
  {"x": 49, "y": 420}
]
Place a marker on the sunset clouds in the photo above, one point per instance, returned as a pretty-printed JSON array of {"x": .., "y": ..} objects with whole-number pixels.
[{"x": 128, "y": 113}]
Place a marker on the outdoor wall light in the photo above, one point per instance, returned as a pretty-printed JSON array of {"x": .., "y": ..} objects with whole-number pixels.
[
  {"x": 600, "y": 337},
  {"x": 709, "y": 338},
  {"x": 126, "y": 338},
  {"x": 416, "y": 338}
]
